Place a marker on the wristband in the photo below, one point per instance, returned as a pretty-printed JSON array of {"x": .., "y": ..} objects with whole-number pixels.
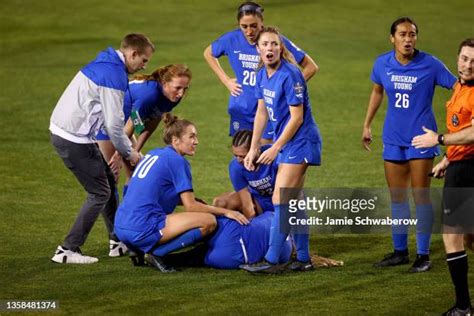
[
  {"x": 441, "y": 139},
  {"x": 138, "y": 124}
]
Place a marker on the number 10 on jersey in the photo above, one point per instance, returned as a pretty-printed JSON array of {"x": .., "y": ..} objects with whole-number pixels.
[{"x": 144, "y": 166}]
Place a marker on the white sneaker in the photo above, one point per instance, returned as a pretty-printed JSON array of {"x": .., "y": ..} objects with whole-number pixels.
[
  {"x": 117, "y": 249},
  {"x": 67, "y": 256}
]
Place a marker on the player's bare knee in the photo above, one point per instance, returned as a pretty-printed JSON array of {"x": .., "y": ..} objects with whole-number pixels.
[
  {"x": 209, "y": 224},
  {"x": 421, "y": 196}
]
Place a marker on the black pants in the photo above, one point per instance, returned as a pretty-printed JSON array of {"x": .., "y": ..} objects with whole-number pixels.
[{"x": 91, "y": 170}]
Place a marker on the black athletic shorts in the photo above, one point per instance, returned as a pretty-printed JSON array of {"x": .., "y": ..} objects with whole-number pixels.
[{"x": 458, "y": 196}]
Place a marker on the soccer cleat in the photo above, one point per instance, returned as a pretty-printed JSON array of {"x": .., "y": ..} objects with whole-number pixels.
[
  {"x": 264, "y": 267},
  {"x": 64, "y": 255},
  {"x": 117, "y": 249},
  {"x": 455, "y": 311},
  {"x": 392, "y": 259},
  {"x": 158, "y": 263},
  {"x": 421, "y": 264},
  {"x": 300, "y": 266},
  {"x": 137, "y": 258}
]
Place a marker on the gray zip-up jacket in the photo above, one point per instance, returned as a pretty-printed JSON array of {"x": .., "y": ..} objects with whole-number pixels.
[{"x": 94, "y": 98}]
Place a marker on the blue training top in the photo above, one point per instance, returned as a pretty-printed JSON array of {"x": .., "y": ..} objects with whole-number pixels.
[
  {"x": 107, "y": 70},
  {"x": 285, "y": 88},
  {"x": 410, "y": 89},
  {"x": 154, "y": 189},
  {"x": 244, "y": 59}
]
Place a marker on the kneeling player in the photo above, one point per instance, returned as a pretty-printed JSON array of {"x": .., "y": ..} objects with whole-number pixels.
[
  {"x": 253, "y": 189},
  {"x": 145, "y": 221}
]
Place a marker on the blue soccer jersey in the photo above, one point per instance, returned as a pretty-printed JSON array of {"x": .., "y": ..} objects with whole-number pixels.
[
  {"x": 233, "y": 244},
  {"x": 410, "y": 90},
  {"x": 244, "y": 59},
  {"x": 259, "y": 182},
  {"x": 154, "y": 189},
  {"x": 146, "y": 97},
  {"x": 285, "y": 88}
]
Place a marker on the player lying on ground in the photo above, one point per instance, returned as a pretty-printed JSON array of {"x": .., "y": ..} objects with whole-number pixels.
[{"x": 232, "y": 245}]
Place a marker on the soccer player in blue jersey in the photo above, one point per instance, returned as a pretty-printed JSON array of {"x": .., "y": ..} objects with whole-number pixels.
[
  {"x": 240, "y": 47},
  {"x": 408, "y": 77},
  {"x": 253, "y": 189},
  {"x": 147, "y": 98},
  {"x": 284, "y": 102},
  {"x": 232, "y": 245},
  {"x": 145, "y": 220}
]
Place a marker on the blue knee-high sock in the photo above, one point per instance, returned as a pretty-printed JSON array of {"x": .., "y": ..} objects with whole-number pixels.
[
  {"x": 188, "y": 238},
  {"x": 424, "y": 214},
  {"x": 277, "y": 239},
  {"x": 301, "y": 238},
  {"x": 400, "y": 232},
  {"x": 285, "y": 254},
  {"x": 302, "y": 247}
]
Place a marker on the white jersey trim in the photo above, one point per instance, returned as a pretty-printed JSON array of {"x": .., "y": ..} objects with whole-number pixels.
[{"x": 244, "y": 250}]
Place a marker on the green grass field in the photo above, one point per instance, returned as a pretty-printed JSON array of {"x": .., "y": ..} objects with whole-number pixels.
[{"x": 42, "y": 46}]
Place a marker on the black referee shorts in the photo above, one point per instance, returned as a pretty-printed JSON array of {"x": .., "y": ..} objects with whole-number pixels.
[{"x": 458, "y": 196}]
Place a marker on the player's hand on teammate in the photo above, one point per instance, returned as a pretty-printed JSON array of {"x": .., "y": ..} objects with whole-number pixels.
[
  {"x": 250, "y": 159},
  {"x": 267, "y": 156},
  {"x": 237, "y": 216},
  {"x": 234, "y": 87},
  {"x": 427, "y": 140},
  {"x": 366, "y": 138}
]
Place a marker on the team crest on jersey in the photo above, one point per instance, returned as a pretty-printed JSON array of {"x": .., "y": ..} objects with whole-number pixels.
[
  {"x": 298, "y": 89},
  {"x": 455, "y": 120},
  {"x": 236, "y": 125}
]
